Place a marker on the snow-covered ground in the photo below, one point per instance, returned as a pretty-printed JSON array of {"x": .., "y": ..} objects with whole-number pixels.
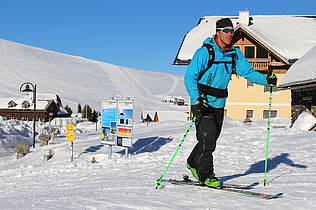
[{"x": 120, "y": 183}]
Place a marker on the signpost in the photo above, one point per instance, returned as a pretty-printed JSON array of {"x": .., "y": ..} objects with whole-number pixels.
[
  {"x": 117, "y": 123},
  {"x": 70, "y": 137}
]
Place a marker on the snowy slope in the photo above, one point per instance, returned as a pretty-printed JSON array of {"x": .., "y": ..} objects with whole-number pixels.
[
  {"x": 80, "y": 80},
  {"x": 31, "y": 183}
]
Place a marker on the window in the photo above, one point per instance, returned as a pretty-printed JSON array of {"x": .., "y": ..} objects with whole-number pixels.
[
  {"x": 274, "y": 113},
  {"x": 249, "y": 51},
  {"x": 249, "y": 114},
  {"x": 12, "y": 104},
  {"x": 250, "y": 84},
  {"x": 26, "y": 104},
  {"x": 266, "y": 89},
  {"x": 261, "y": 53}
]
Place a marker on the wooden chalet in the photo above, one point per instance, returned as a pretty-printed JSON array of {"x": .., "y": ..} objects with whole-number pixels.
[{"x": 23, "y": 109}]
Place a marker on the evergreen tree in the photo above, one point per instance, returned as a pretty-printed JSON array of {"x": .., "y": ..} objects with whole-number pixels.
[
  {"x": 79, "y": 108},
  {"x": 87, "y": 112},
  {"x": 68, "y": 109},
  {"x": 94, "y": 116}
]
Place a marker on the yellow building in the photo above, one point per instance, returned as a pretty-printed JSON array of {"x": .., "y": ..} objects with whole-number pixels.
[
  {"x": 251, "y": 100},
  {"x": 271, "y": 43}
]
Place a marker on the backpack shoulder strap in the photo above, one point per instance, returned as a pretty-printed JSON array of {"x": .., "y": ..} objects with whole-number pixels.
[
  {"x": 234, "y": 63},
  {"x": 210, "y": 60}
]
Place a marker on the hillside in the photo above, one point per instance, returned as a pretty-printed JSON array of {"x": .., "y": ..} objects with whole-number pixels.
[{"x": 80, "y": 80}]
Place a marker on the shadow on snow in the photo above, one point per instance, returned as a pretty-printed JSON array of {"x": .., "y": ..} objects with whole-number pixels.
[
  {"x": 92, "y": 149},
  {"x": 150, "y": 144},
  {"x": 273, "y": 163}
]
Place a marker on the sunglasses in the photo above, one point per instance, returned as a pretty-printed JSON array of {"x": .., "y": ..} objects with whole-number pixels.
[{"x": 226, "y": 30}]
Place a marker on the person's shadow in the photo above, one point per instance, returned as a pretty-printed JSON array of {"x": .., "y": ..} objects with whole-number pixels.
[
  {"x": 273, "y": 163},
  {"x": 150, "y": 144}
]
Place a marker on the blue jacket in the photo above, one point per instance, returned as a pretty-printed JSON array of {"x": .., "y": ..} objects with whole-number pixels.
[{"x": 218, "y": 76}]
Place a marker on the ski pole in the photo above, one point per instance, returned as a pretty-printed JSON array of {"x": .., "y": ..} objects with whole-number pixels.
[
  {"x": 158, "y": 184},
  {"x": 267, "y": 139}
]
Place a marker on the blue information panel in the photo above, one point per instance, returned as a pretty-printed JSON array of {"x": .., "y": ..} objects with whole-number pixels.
[{"x": 108, "y": 122}]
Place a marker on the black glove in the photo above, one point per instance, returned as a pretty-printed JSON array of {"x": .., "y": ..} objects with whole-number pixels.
[
  {"x": 201, "y": 104},
  {"x": 272, "y": 79}
]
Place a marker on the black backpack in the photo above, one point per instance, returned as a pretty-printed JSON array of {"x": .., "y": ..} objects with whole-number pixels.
[{"x": 211, "y": 61}]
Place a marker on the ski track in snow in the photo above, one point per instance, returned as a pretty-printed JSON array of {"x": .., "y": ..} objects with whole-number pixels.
[{"x": 119, "y": 76}]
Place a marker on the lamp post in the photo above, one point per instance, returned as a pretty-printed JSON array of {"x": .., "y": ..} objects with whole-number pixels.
[{"x": 28, "y": 89}]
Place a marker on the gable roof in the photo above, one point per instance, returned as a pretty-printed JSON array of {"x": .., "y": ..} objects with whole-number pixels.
[
  {"x": 43, "y": 101},
  {"x": 40, "y": 105},
  {"x": 288, "y": 36},
  {"x": 302, "y": 72}
]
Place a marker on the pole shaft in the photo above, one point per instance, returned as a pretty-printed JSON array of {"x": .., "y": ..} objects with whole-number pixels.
[
  {"x": 267, "y": 139},
  {"x": 175, "y": 153}
]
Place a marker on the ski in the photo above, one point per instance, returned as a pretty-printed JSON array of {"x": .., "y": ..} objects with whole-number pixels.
[
  {"x": 187, "y": 181},
  {"x": 231, "y": 188}
]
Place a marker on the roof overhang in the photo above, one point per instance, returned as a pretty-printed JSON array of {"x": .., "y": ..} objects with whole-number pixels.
[{"x": 299, "y": 85}]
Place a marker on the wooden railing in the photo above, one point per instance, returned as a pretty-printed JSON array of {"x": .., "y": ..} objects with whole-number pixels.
[{"x": 259, "y": 65}]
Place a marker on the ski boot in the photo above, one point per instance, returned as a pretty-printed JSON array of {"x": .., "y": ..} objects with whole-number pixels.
[
  {"x": 212, "y": 182},
  {"x": 193, "y": 171}
]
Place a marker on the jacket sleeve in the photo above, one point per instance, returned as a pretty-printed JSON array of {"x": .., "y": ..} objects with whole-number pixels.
[
  {"x": 244, "y": 69},
  {"x": 197, "y": 65}
]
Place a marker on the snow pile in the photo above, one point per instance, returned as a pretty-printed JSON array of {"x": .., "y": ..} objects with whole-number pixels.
[
  {"x": 305, "y": 121},
  {"x": 14, "y": 132},
  {"x": 88, "y": 126}
]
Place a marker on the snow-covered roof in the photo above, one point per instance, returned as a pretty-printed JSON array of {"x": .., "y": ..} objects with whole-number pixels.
[
  {"x": 302, "y": 71},
  {"x": 42, "y": 100},
  {"x": 289, "y": 35},
  {"x": 40, "y": 104}
]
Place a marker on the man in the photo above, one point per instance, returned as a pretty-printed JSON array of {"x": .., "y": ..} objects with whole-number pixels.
[{"x": 207, "y": 87}]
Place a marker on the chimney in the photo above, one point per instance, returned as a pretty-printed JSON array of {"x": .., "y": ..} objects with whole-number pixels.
[{"x": 244, "y": 17}]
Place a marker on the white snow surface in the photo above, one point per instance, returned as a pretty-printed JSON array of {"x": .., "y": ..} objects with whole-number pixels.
[
  {"x": 120, "y": 183},
  {"x": 302, "y": 71}
]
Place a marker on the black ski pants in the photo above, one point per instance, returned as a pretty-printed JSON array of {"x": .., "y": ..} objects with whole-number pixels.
[{"x": 208, "y": 128}]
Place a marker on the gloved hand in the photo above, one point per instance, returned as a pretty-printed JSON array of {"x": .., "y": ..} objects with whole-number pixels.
[
  {"x": 201, "y": 104},
  {"x": 272, "y": 79}
]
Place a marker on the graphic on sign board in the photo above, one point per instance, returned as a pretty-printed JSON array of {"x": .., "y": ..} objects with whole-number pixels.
[
  {"x": 125, "y": 123},
  {"x": 108, "y": 122}
]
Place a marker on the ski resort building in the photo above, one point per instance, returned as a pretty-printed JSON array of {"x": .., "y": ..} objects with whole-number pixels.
[
  {"x": 270, "y": 43},
  {"x": 48, "y": 106}
]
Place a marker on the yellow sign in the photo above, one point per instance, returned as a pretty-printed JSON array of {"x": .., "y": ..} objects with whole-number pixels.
[
  {"x": 70, "y": 126},
  {"x": 70, "y": 138},
  {"x": 70, "y": 132}
]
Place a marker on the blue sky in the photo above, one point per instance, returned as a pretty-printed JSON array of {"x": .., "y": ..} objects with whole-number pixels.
[{"x": 137, "y": 34}]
